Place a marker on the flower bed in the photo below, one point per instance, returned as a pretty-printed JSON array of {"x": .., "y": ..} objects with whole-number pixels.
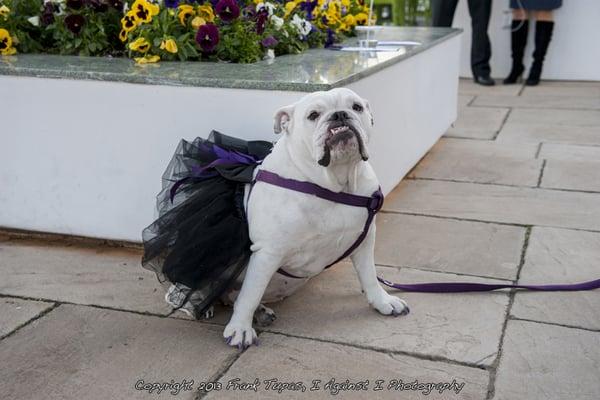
[{"x": 240, "y": 31}]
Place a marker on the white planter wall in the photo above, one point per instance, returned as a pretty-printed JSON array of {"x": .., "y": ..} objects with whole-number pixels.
[{"x": 85, "y": 157}]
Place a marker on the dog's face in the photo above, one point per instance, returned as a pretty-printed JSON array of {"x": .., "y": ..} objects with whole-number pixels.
[{"x": 334, "y": 126}]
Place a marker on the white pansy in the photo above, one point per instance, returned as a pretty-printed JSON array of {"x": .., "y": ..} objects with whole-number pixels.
[
  {"x": 35, "y": 21},
  {"x": 270, "y": 7},
  {"x": 302, "y": 26},
  {"x": 269, "y": 54},
  {"x": 277, "y": 21}
]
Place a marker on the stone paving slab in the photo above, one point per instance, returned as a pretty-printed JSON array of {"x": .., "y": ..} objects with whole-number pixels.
[
  {"x": 561, "y": 256},
  {"x": 16, "y": 312},
  {"x": 83, "y": 275},
  {"x": 542, "y": 361},
  {"x": 464, "y": 100},
  {"x": 543, "y": 101},
  {"x": 515, "y": 132},
  {"x": 290, "y": 359},
  {"x": 569, "y": 118},
  {"x": 468, "y": 87},
  {"x": 566, "y": 89},
  {"x": 480, "y": 162},
  {"x": 464, "y": 328},
  {"x": 444, "y": 245},
  {"x": 513, "y": 205},
  {"x": 572, "y": 175},
  {"x": 570, "y": 152},
  {"x": 77, "y": 352},
  {"x": 478, "y": 123}
]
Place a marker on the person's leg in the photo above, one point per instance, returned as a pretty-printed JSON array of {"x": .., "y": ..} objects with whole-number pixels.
[
  {"x": 544, "y": 27},
  {"x": 480, "y": 11},
  {"x": 543, "y": 15},
  {"x": 519, "y": 30},
  {"x": 442, "y": 12}
]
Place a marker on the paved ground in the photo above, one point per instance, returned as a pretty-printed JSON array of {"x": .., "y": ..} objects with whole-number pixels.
[{"x": 512, "y": 194}]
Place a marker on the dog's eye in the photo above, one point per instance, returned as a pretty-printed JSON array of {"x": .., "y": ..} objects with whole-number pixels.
[
  {"x": 357, "y": 107},
  {"x": 313, "y": 115}
]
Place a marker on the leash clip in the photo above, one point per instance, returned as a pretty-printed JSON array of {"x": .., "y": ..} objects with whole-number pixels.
[{"x": 376, "y": 202}]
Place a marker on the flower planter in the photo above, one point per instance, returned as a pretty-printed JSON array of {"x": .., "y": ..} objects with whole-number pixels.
[{"x": 84, "y": 140}]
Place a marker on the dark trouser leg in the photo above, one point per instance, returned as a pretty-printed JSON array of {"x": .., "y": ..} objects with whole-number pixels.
[
  {"x": 442, "y": 12},
  {"x": 518, "y": 42},
  {"x": 480, "y": 11},
  {"x": 543, "y": 34}
]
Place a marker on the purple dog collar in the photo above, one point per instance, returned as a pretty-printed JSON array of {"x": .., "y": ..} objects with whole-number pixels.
[{"x": 373, "y": 204}]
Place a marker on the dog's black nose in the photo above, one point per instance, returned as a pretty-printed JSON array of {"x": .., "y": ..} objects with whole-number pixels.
[{"x": 339, "y": 116}]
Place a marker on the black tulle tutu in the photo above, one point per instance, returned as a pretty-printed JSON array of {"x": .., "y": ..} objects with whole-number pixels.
[{"x": 200, "y": 240}]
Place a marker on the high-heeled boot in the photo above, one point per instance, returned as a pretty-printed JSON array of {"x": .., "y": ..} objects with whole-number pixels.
[
  {"x": 543, "y": 35},
  {"x": 519, "y": 29}
]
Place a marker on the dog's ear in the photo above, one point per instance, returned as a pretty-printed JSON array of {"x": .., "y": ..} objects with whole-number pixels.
[
  {"x": 283, "y": 118},
  {"x": 368, "y": 107}
]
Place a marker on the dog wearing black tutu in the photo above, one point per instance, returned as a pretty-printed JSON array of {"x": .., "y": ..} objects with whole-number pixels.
[{"x": 251, "y": 222}]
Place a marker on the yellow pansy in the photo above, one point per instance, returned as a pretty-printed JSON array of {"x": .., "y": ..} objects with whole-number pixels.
[
  {"x": 349, "y": 20},
  {"x": 123, "y": 35},
  {"x": 345, "y": 3},
  {"x": 169, "y": 45},
  {"x": 129, "y": 22},
  {"x": 289, "y": 7},
  {"x": 206, "y": 12},
  {"x": 185, "y": 12},
  {"x": 144, "y": 10},
  {"x": 4, "y": 11},
  {"x": 140, "y": 44},
  {"x": 361, "y": 18},
  {"x": 197, "y": 22},
  {"x": 6, "y": 43},
  {"x": 148, "y": 59}
]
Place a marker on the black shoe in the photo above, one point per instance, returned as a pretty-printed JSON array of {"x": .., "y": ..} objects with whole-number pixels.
[
  {"x": 543, "y": 35},
  {"x": 484, "y": 80},
  {"x": 516, "y": 75},
  {"x": 518, "y": 42}
]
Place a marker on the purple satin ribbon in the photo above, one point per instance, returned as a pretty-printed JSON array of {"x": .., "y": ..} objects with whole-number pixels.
[{"x": 223, "y": 157}]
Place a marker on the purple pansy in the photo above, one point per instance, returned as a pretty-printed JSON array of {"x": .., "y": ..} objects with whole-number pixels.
[
  {"x": 47, "y": 14},
  {"x": 261, "y": 21},
  {"x": 330, "y": 38},
  {"x": 208, "y": 37},
  {"x": 309, "y": 7},
  {"x": 227, "y": 10},
  {"x": 74, "y": 23},
  {"x": 269, "y": 42},
  {"x": 75, "y": 4}
]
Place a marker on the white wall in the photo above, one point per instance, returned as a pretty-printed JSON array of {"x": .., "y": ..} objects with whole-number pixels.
[
  {"x": 85, "y": 157},
  {"x": 574, "y": 52}
]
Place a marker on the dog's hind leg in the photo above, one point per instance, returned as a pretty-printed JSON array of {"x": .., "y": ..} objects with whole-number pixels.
[{"x": 264, "y": 316}]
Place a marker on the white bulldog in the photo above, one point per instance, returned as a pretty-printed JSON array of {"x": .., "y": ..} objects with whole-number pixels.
[{"x": 324, "y": 141}]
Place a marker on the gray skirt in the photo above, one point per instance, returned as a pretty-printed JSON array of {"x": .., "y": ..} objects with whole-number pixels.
[{"x": 536, "y": 4}]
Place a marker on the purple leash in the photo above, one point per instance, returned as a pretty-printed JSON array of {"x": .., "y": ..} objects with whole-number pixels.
[
  {"x": 463, "y": 287},
  {"x": 373, "y": 204}
]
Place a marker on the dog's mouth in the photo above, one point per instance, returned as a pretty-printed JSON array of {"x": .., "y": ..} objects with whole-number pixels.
[{"x": 341, "y": 135}]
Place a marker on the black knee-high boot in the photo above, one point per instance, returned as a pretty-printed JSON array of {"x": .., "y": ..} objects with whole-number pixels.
[
  {"x": 543, "y": 34},
  {"x": 518, "y": 43}
]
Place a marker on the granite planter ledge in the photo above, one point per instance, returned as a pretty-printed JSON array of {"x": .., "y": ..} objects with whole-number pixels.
[{"x": 88, "y": 138}]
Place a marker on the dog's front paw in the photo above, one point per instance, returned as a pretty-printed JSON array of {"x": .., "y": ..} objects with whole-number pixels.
[
  {"x": 390, "y": 305},
  {"x": 240, "y": 335}
]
